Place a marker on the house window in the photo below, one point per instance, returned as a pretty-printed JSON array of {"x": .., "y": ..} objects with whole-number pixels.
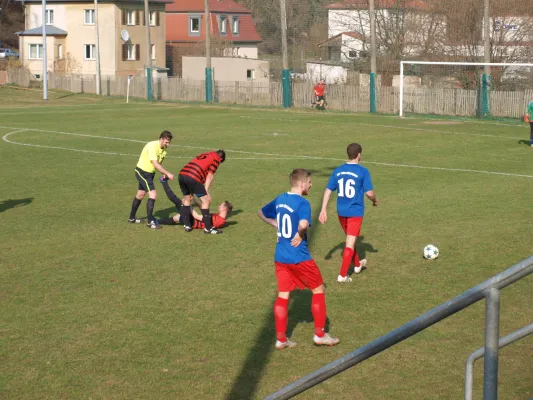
[
  {"x": 352, "y": 54},
  {"x": 88, "y": 17},
  {"x": 36, "y": 51},
  {"x": 131, "y": 17},
  {"x": 49, "y": 14},
  {"x": 153, "y": 52},
  {"x": 235, "y": 25},
  {"x": 131, "y": 52},
  {"x": 250, "y": 74},
  {"x": 223, "y": 24},
  {"x": 153, "y": 18},
  {"x": 194, "y": 25},
  {"x": 90, "y": 52},
  {"x": 60, "y": 51}
]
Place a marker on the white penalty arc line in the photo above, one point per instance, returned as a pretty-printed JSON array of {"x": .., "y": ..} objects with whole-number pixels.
[{"x": 279, "y": 156}]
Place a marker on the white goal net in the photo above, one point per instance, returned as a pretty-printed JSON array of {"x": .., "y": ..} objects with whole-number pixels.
[{"x": 494, "y": 90}]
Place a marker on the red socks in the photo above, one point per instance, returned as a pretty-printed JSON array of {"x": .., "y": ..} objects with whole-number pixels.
[
  {"x": 356, "y": 261},
  {"x": 281, "y": 316},
  {"x": 347, "y": 256},
  {"x": 318, "y": 308}
]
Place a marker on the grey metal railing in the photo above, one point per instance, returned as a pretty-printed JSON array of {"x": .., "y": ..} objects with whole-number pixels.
[
  {"x": 469, "y": 373},
  {"x": 490, "y": 289}
]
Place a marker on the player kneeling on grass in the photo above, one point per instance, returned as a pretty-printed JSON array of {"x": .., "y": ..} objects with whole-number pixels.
[
  {"x": 150, "y": 160},
  {"x": 290, "y": 214},
  {"x": 218, "y": 220}
]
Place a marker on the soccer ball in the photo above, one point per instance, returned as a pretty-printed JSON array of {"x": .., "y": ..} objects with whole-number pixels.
[{"x": 431, "y": 252}]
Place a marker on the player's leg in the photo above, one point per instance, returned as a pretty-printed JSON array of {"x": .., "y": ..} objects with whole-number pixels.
[
  {"x": 185, "y": 209},
  {"x": 281, "y": 306},
  {"x": 170, "y": 193},
  {"x": 311, "y": 276},
  {"x": 135, "y": 206},
  {"x": 206, "y": 215},
  {"x": 347, "y": 257},
  {"x": 354, "y": 228}
]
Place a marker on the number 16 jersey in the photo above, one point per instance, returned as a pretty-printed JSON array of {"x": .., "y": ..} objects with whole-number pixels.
[
  {"x": 351, "y": 181},
  {"x": 288, "y": 209}
]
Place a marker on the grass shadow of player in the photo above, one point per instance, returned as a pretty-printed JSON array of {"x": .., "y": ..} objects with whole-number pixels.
[
  {"x": 324, "y": 172},
  {"x": 362, "y": 248},
  {"x": 526, "y": 142},
  {"x": 166, "y": 213},
  {"x": 13, "y": 203}
]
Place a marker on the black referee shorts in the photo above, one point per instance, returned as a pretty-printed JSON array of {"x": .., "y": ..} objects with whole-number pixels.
[
  {"x": 146, "y": 180},
  {"x": 189, "y": 186}
]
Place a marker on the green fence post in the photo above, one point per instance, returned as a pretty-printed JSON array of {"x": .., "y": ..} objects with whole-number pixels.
[
  {"x": 286, "y": 85},
  {"x": 373, "y": 92},
  {"x": 149, "y": 93},
  {"x": 485, "y": 96},
  {"x": 209, "y": 85}
]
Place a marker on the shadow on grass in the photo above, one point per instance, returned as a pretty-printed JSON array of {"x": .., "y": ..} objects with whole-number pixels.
[
  {"x": 7, "y": 204},
  {"x": 252, "y": 370},
  {"x": 526, "y": 142},
  {"x": 167, "y": 212},
  {"x": 362, "y": 249}
]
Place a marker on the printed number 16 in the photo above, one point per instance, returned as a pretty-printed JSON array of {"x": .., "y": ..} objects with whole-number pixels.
[{"x": 347, "y": 190}]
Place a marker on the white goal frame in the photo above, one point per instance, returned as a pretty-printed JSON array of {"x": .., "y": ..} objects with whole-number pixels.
[{"x": 402, "y": 63}]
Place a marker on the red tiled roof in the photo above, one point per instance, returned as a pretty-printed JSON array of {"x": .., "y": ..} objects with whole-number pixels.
[
  {"x": 216, "y": 6},
  {"x": 379, "y": 4},
  {"x": 178, "y": 29}
]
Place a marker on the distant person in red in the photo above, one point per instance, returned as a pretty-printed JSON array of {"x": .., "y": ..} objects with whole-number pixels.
[
  {"x": 319, "y": 89},
  {"x": 195, "y": 179}
]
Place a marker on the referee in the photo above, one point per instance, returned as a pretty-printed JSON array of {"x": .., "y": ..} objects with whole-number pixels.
[{"x": 151, "y": 159}]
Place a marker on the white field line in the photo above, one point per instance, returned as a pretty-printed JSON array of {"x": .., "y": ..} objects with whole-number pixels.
[
  {"x": 394, "y": 127},
  {"x": 278, "y": 156}
]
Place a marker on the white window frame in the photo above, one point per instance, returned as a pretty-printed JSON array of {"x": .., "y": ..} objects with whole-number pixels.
[
  {"x": 88, "y": 13},
  {"x": 152, "y": 52},
  {"x": 49, "y": 17},
  {"x": 131, "y": 52},
  {"x": 235, "y": 25},
  {"x": 60, "y": 51},
  {"x": 252, "y": 73},
  {"x": 131, "y": 17},
  {"x": 153, "y": 18},
  {"x": 192, "y": 24},
  {"x": 39, "y": 48},
  {"x": 92, "y": 52}
]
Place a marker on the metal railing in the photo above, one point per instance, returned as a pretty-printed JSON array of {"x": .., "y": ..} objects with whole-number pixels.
[
  {"x": 469, "y": 373},
  {"x": 490, "y": 289}
]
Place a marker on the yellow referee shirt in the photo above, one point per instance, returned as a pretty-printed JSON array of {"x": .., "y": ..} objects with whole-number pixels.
[{"x": 152, "y": 151}]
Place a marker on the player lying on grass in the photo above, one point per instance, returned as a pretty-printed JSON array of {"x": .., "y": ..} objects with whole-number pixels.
[{"x": 218, "y": 220}]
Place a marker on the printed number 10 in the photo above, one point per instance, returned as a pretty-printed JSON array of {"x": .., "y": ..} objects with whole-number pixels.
[{"x": 285, "y": 227}]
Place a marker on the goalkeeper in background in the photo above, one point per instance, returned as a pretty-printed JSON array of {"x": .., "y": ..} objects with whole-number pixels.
[{"x": 529, "y": 118}]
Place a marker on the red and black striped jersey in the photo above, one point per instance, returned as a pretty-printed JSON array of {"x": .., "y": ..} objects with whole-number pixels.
[
  {"x": 201, "y": 165},
  {"x": 216, "y": 220}
]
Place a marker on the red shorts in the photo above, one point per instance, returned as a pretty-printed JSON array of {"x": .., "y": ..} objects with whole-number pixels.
[
  {"x": 351, "y": 225},
  {"x": 302, "y": 275}
]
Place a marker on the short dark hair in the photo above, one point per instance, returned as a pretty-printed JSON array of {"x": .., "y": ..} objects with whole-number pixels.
[
  {"x": 353, "y": 150},
  {"x": 165, "y": 135},
  {"x": 229, "y": 206},
  {"x": 299, "y": 175},
  {"x": 221, "y": 154}
]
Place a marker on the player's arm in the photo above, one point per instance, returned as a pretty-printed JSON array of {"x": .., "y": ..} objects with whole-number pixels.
[
  {"x": 162, "y": 170},
  {"x": 323, "y": 217},
  {"x": 196, "y": 216},
  {"x": 303, "y": 225},
  {"x": 208, "y": 181},
  {"x": 372, "y": 197},
  {"x": 270, "y": 221}
]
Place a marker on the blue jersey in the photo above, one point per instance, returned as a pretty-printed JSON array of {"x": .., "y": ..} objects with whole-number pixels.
[
  {"x": 288, "y": 210},
  {"x": 351, "y": 181}
]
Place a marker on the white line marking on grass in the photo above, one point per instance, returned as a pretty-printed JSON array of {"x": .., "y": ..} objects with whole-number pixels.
[
  {"x": 387, "y": 126},
  {"x": 277, "y": 156}
]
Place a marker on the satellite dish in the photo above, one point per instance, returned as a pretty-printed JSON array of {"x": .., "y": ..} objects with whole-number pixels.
[{"x": 125, "y": 35}]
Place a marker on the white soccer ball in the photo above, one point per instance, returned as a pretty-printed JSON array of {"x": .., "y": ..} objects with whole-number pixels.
[{"x": 431, "y": 252}]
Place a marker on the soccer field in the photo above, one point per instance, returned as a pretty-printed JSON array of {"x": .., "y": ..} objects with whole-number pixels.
[{"x": 95, "y": 308}]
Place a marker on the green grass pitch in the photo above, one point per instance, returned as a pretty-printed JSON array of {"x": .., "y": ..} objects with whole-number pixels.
[{"x": 95, "y": 308}]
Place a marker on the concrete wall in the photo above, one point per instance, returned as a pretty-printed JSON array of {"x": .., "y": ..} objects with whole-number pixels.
[{"x": 226, "y": 69}]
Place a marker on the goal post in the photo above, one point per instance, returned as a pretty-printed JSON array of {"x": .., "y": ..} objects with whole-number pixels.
[{"x": 464, "y": 89}]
